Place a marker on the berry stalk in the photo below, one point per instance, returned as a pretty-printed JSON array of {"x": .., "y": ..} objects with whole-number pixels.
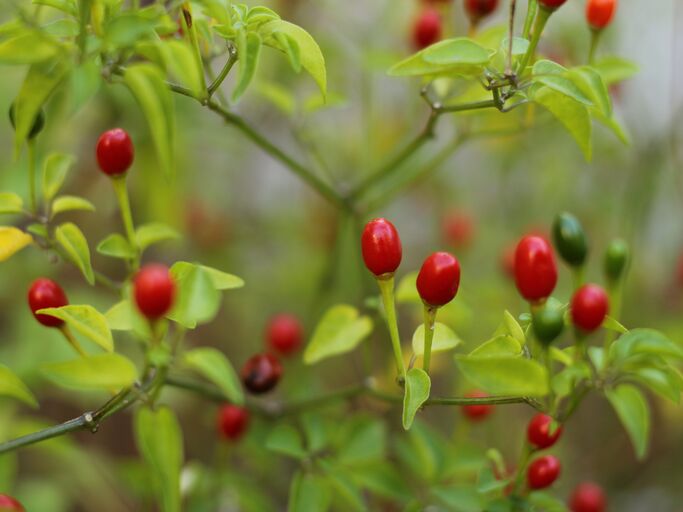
[
  {"x": 121, "y": 191},
  {"x": 429, "y": 321},
  {"x": 72, "y": 341},
  {"x": 541, "y": 19},
  {"x": 386, "y": 288}
]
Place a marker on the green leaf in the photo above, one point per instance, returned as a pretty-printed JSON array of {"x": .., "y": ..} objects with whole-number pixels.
[
  {"x": 444, "y": 339},
  {"x": 126, "y": 30},
  {"x": 12, "y": 240},
  {"x": 309, "y": 492},
  {"x": 179, "y": 59},
  {"x": 346, "y": 492},
  {"x": 55, "y": 169},
  {"x": 638, "y": 342},
  {"x": 510, "y": 326},
  {"x": 69, "y": 203},
  {"x": 85, "y": 320},
  {"x": 12, "y": 386},
  {"x": 406, "y": 291},
  {"x": 66, "y": 6},
  {"x": 76, "y": 246},
  {"x": 160, "y": 442},
  {"x": 221, "y": 280},
  {"x": 615, "y": 69},
  {"x": 339, "y": 331},
  {"x": 417, "y": 387},
  {"x": 28, "y": 47},
  {"x": 286, "y": 440},
  {"x": 505, "y": 375},
  {"x": 248, "y": 51},
  {"x": 556, "y": 77},
  {"x": 613, "y": 325},
  {"x": 460, "y": 56},
  {"x": 667, "y": 382},
  {"x": 198, "y": 299},
  {"x": 362, "y": 440},
  {"x": 288, "y": 45},
  {"x": 153, "y": 233},
  {"x": 634, "y": 413},
  {"x": 590, "y": 82},
  {"x": 101, "y": 371},
  {"x": 500, "y": 346},
  {"x": 148, "y": 86},
  {"x": 116, "y": 246},
  {"x": 212, "y": 364},
  {"x": 11, "y": 203}
]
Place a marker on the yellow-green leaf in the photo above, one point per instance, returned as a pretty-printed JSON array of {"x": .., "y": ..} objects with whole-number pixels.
[
  {"x": 339, "y": 331},
  {"x": 76, "y": 246},
  {"x": 212, "y": 364},
  {"x": 12, "y": 386},
  {"x": 417, "y": 388},
  {"x": 12, "y": 240},
  {"x": 85, "y": 320},
  {"x": 101, "y": 371},
  {"x": 10, "y": 203},
  {"x": 444, "y": 339},
  {"x": 69, "y": 203}
]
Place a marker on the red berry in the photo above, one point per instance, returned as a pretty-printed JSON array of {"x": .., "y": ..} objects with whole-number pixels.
[
  {"x": 477, "y": 9},
  {"x": 261, "y": 373},
  {"x": 538, "y": 432},
  {"x": 9, "y": 504},
  {"x": 543, "y": 472},
  {"x": 427, "y": 29},
  {"x": 588, "y": 497},
  {"x": 477, "y": 412},
  {"x": 439, "y": 279},
  {"x": 284, "y": 333},
  {"x": 552, "y": 4},
  {"x": 45, "y": 293},
  {"x": 599, "y": 13},
  {"x": 154, "y": 291},
  {"x": 458, "y": 230},
  {"x": 589, "y": 307},
  {"x": 114, "y": 152},
  {"x": 535, "y": 268},
  {"x": 232, "y": 421},
  {"x": 381, "y": 247}
]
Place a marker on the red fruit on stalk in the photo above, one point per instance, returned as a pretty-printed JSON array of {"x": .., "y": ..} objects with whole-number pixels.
[
  {"x": 599, "y": 13},
  {"x": 45, "y": 293},
  {"x": 284, "y": 333},
  {"x": 381, "y": 247},
  {"x": 261, "y": 373},
  {"x": 154, "y": 291},
  {"x": 115, "y": 152},
  {"x": 542, "y": 472},
  {"x": 478, "y": 9},
  {"x": 538, "y": 431},
  {"x": 589, "y": 307},
  {"x": 458, "y": 230},
  {"x": 9, "y": 504},
  {"x": 477, "y": 412},
  {"x": 439, "y": 279},
  {"x": 535, "y": 268},
  {"x": 427, "y": 29},
  {"x": 588, "y": 497},
  {"x": 551, "y": 4},
  {"x": 232, "y": 422}
]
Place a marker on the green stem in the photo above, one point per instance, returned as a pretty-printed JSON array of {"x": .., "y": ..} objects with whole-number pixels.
[
  {"x": 224, "y": 73},
  {"x": 524, "y": 458},
  {"x": 595, "y": 41},
  {"x": 532, "y": 9},
  {"x": 191, "y": 31},
  {"x": 548, "y": 360},
  {"x": 72, "y": 340},
  {"x": 578, "y": 276},
  {"x": 386, "y": 287},
  {"x": 121, "y": 191},
  {"x": 615, "y": 294},
  {"x": 32, "y": 175},
  {"x": 539, "y": 25},
  {"x": 429, "y": 321}
]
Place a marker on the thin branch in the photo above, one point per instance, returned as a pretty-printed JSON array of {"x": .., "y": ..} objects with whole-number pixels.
[{"x": 224, "y": 72}]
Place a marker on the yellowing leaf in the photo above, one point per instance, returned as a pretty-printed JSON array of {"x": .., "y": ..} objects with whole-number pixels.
[{"x": 12, "y": 240}]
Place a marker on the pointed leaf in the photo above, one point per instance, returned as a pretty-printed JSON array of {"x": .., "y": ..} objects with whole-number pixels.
[
  {"x": 198, "y": 300},
  {"x": 339, "y": 331},
  {"x": 101, "y": 371},
  {"x": 634, "y": 413},
  {"x": 55, "y": 169},
  {"x": 505, "y": 375},
  {"x": 149, "y": 234},
  {"x": 116, "y": 246},
  {"x": 69, "y": 203},
  {"x": 12, "y": 240},
  {"x": 213, "y": 365},
  {"x": 286, "y": 440},
  {"x": 417, "y": 387},
  {"x": 85, "y": 320},
  {"x": 12, "y": 386},
  {"x": 76, "y": 246},
  {"x": 11, "y": 203},
  {"x": 248, "y": 51}
]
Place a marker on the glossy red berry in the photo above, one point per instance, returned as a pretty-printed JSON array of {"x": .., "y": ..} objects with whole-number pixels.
[
  {"x": 427, "y": 29},
  {"x": 9, "y": 504},
  {"x": 539, "y": 431},
  {"x": 439, "y": 279},
  {"x": 552, "y": 4},
  {"x": 381, "y": 247},
  {"x": 261, "y": 373},
  {"x": 114, "y": 152},
  {"x": 477, "y": 412},
  {"x": 154, "y": 291},
  {"x": 535, "y": 268},
  {"x": 45, "y": 293},
  {"x": 589, "y": 307},
  {"x": 284, "y": 333},
  {"x": 458, "y": 230},
  {"x": 588, "y": 497},
  {"x": 478, "y": 9},
  {"x": 542, "y": 472},
  {"x": 599, "y": 13},
  {"x": 232, "y": 421}
]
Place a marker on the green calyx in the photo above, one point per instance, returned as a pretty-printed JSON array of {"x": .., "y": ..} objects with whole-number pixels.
[
  {"x": 548, "y": 324},
  {"x": 616, "y": 260},
  {"x": 38, "y": 122},
  {"x": 570, "y": 239}
]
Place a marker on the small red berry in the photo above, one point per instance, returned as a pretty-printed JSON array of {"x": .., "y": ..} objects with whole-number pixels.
[
  {"x": 538, "y": 431},
  {"x": 154, "y": 291},
  {"x": 599, "y": 13},
  {"x": 9, "y": 504},
  {"x": 427, "y": 29},
  {"x": 552, "y": 4},
  {"x": 114, "y": 152},
  {"x": 381, "y": 247},
  {"x": 478, "y": 9},
  {"x": 458, "y": 230},
  {"x": 232, "y": 421},
  {"x": 439, "y": 279},
  {"x": 45, "y": 293},
  {"x": 535, "y": 268},
  {"x": 477, "y": 412},
  {"x": 588, "y": 497},
  {"x": 542, "y": 472},
  {"x": 261, "y": 373},
  {"x": 284, "y": 333},
  {"x": 589, "y": 307}
]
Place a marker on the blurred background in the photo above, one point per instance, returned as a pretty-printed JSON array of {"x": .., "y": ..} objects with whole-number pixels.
[{"x": 244, "y": 213}]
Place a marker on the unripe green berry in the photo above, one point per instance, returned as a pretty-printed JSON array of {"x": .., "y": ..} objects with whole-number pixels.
[
  {"x": 570, "y": 239},
  {"x": 548, "y": 325},
  {"x": 38, "y": 122},
  {"x": 616, "y": 260}
]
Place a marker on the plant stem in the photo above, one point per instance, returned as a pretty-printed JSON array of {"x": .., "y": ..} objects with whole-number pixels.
[
  {"x": 532, "y": 9},
  {"x": 539, "y": 25},
  {"x": 224, "y": 72},
  {"x": 615, "y": 294},
  {"x": 32, "y": 175},
  {"x": 595, "y": 41},
  {"x": 386, "y": 288},
  {"x": 191, "y": 32},
  {"x": 429, "y": 321},
  {"x": 124, "y": 205},
  {"x": 72, "y": 340},
  {"x": 578, "y": 276}
]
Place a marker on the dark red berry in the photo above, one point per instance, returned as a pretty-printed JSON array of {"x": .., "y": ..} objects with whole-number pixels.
[
  {"x": 9, "y": 504},
  {"x": 552, "y": 4},
  {"x": 284, "y": 333},
  {"x": 427, "y": 29},
  {"x": 439, "y": 279},
  {"x": 589, "y": 307},
  {"x": 535, "y": 268},
  {"x": 588, "y": 497},
  {"x": 477, "y": 9},
  {"x": 154, "y": 291},
  {"x": 45, "y": 293},
  {"x": 261, "y": 373},
  {"x": 599, "y": 13},
  {"x": 232, "y": 421},
  {"x": 477, "y": 412},
  {"x": 542, "y": 472},
  {"x": 538, "y": 431},
  {"x": 458, "y": 230},
  {"x": 381, "y": 247},
  {"x": 114, "y": 152}
]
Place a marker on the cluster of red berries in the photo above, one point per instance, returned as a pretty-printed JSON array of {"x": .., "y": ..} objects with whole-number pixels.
[{"x": 542, "y": 433}]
